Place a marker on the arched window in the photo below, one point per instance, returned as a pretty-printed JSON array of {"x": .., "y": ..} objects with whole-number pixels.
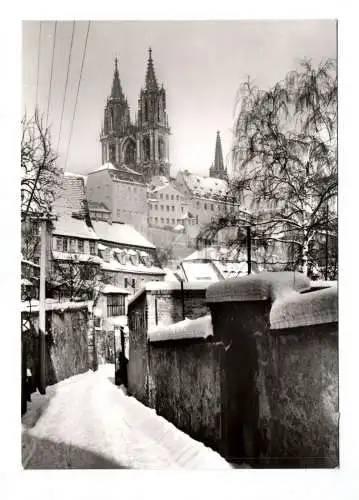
[
  {"x": 112, "y": 153},
  {"x": 146, "y": 148},
  {"x": 161, "y": 149},
  {"x": 130, "y": 152},
  {"x": 146, "y": 111}
]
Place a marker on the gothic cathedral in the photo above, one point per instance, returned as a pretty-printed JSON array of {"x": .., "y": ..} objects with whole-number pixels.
[{"x": 143, "y": 146}]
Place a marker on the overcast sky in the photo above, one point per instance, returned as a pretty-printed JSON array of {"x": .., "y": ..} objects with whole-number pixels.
[{"x": 200, "y": 63}]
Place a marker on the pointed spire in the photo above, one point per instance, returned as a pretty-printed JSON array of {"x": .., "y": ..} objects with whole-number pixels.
[
  {"x": 151, "y": 81},
  {"x": 218, "y": 157},
  {"x": 116, "y": 91}
]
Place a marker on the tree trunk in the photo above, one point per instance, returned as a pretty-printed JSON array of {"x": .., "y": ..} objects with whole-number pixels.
[{"x": 305, "y": 256}]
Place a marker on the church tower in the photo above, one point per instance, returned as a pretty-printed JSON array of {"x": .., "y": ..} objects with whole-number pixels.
[
  {"x": 152, "y": 126},
  {"x": 217, "y": 169},
  {"x": 118, "y": 134}
]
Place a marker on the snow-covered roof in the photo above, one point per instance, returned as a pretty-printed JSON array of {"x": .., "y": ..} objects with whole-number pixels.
[
  {"x": 140, "y": 268},
  {"x": 205, "y": 186},
  {"x": 71, "y": 209},
  {"x": 199, "y": 328},
  {"x": 200, "y": 271},
  {"x": 113, "y": 289},
  {"x": 120, "y": 233},
  {"x": 66, "y": 225},
  {"x": 80, "y": 257},
  {"x": 105, "y": 166}
]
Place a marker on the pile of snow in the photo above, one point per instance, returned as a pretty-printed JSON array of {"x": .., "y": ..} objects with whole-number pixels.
[
  {"x": 199, "y": 328},
  {"x": 87, "y": 422}
]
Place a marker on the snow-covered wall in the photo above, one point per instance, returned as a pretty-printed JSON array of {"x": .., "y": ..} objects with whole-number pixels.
[{"x": 281, "y": 368}]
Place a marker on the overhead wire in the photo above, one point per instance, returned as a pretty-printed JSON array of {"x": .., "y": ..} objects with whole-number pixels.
[
  {"x": 51, "y": 73},
  {"x": 66, "y": 83},
  {"x": 38, "y": 65},
  {"x": 77, "y": 94}
]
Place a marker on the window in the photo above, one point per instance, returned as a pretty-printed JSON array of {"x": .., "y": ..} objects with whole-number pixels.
[
  {"x": 58, "y": 244},
  {"x": 126, "y": 282},
  {"x": 172, "y": 197},
  {"x": 173, "y": 208},
  {"x": 115, "y": 305},
  {"x": 197, "y": 220},
  {"x": 162, "y": 220},
  {"x": 178, "y": 221},
  {"x": 156, "y": 220},
  {"x": 182, "y": 209},
  {"x": 92, "y": 248},
  {"x": 72, "y": 245},
  {"x": 81, "y": 246},
  {"x": 177, "y": 198},
  {"x": 173, "y": 221},
  {"x": 156, "y": 207},
  {"x": 167, "y": 221},
  {"x": 161, "y": 196},
  {"x": 162, "y": 207},
  {"x": 167, "y": 208},
  {"x": 212, "y": 208},
  {"x": 167, "y": 197},
  {"x": 205, "y": 206},
  {"x": 133, "y": 283},
  {"x": 97, "y": 322},
  {"x": 64, "y": 243}
]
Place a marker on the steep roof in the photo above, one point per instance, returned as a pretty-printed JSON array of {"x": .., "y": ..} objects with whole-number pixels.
[
  {"x": 119, "y": 233},
  {"x": 70, "y": 207}
]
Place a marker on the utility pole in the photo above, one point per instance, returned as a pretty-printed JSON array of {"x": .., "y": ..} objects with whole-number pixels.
[
  {"x": 326, "y": 245},
  {"x": 249, "y": 250},
  {"x": 42, "y": 307}
]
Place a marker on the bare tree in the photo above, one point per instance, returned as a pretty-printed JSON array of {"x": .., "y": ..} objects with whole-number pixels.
[
  {"x": 76, "y": 279},
  {"x": 285, "y": 164},
  {"x": 40, "y": 174}
]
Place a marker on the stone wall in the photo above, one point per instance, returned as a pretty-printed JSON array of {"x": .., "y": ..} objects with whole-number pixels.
[
  {"x": 158, "y": 302},
  {"x": 281, "y": 366},
  {"x": 185, "y": 386},
  {"x": 69, "y": 344}
]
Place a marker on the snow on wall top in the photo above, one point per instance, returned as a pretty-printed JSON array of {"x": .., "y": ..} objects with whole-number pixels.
[
  {"x": 187, "y": 329},
  {"x": 152, "y": 286},
  {"x": 263, "y": 286},
  {"x": 54, "y": 305},
  {"x": 305, "y": 309},
  {"x": 120, "y": 233}
]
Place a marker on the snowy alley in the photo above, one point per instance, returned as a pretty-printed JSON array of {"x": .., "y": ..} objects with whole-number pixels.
[{"x": 87, "y": 422}]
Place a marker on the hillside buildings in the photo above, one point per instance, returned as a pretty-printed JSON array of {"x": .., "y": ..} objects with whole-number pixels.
[{"x": 134, "y": 184}]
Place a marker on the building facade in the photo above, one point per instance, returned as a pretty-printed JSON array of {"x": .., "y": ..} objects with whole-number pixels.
[{"x": 142, "y": 144}]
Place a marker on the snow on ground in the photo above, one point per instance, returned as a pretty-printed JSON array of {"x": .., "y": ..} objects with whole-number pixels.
[{"x": 87, "y": 422}]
